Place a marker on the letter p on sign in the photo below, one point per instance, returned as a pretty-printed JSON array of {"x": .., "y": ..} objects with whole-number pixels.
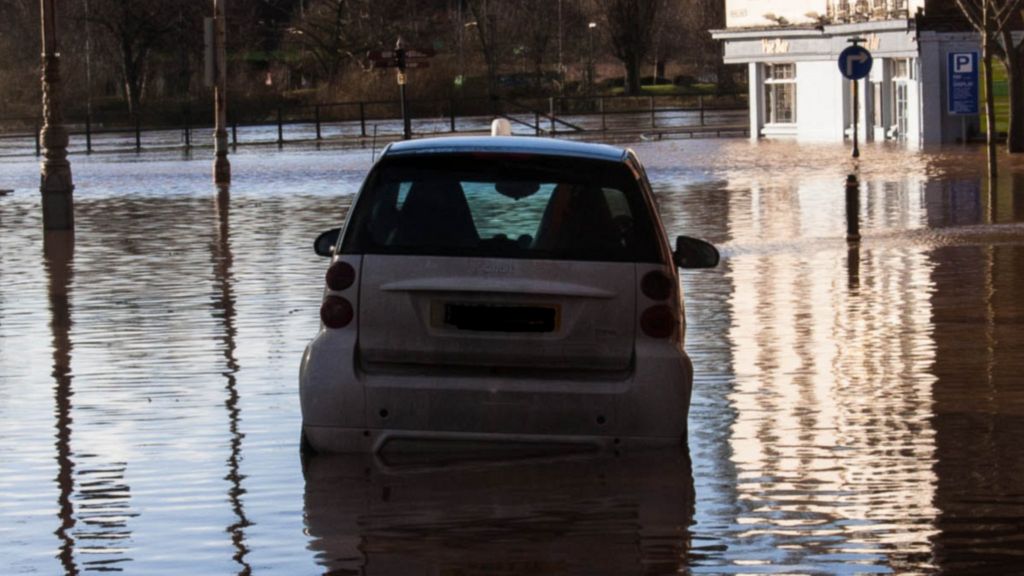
[{"x": 963, "y": 64}]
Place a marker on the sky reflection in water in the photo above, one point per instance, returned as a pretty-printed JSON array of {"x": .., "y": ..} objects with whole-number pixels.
[{"x": 857, "y": 410}]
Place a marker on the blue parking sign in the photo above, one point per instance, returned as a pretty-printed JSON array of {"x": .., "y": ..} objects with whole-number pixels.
[{"x": 962, "y": 84}]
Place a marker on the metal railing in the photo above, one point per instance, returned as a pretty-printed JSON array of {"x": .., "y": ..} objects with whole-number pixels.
[{"x": 357, "y": 121}]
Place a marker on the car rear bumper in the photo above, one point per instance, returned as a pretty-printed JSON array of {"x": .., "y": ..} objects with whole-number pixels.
[{"x": 345, "y": 410}]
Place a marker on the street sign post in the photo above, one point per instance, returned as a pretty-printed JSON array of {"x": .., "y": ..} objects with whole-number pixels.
[
  {"x": 855, "y": 64},
  {"x": 402, "y": 58}
]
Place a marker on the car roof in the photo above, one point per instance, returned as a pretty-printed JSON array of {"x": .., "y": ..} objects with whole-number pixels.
[{"x": 506, "y": 144}]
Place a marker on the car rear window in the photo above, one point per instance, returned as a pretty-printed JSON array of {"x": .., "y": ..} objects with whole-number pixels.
[{"x": 503, "y": 206}]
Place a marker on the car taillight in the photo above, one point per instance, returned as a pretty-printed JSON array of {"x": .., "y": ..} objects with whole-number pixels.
[
  {"x": 336, "y": 312},
  {"x": 659, "y": 321},
  {"x": 340, "y": 276},
  {"x": 656, "y": 285}
]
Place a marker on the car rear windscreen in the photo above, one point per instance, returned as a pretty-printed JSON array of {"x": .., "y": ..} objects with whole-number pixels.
[{"x": 503, "y": 206}]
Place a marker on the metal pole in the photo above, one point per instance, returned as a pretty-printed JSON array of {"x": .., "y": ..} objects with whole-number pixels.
[
  {"x": 88, "y": 132},
  {"x": 88, "y": 69},
  {"x": 221, "y": 165},
  {"x": 138, "y": 134},
  {"x": 55, "y": 182},
  {"x": 561, "y": 66},
  {"x": 406, "y": 123},
  {"x": 280, "y": 128},
  {"x": 451, "y": 110},
  {"x": 590, "y": 57},
  {"x": 317, "y": 111},
  {"x": 362, "y": 119},
  {"x": 406, "y": 120},
  {"x": 856, "y": 118}
]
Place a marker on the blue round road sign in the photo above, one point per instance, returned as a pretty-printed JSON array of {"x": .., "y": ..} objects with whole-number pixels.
[{"x": 855, "y": 62}]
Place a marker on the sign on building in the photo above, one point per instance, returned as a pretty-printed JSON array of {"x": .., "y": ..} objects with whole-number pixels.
[
  {"x": 962, "y": 84},
  {"x": 761, "y": 13}
]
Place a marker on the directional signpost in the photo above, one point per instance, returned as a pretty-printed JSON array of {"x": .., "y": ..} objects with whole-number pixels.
[
  {"x": 403, "y": 59},
  {"x": 855, "y": 64}
]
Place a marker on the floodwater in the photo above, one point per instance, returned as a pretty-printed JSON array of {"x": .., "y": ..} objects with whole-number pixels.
[{"x": 857, "y": 409}]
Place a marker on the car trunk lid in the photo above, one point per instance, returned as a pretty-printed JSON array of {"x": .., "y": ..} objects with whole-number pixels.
[{"x": 453, "y": 313}]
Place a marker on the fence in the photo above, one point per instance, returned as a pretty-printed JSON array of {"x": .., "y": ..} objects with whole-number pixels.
[{"x": 355, "y": 122}]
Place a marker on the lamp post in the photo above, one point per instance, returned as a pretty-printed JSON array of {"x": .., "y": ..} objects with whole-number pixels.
[
  {"x": 55, "y": 182},
  {"x": 221, "y": 166},
  {"x": 561, "y": 66},
  {"x": 462, "y": 31},
  {"x": 88, "y": 78},
  {"x": 590, "y": 56},
  {"x": 400, "y": 60}
]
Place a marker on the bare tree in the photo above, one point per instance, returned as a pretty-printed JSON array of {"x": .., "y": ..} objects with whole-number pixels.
[
  {"x": 630, "y": 25},
  {"x": 137, "y": 29},
  {"x": 335, "y": 33},
  {"x": 486, "y": 15},
  {"x": 19, "y": 53},
  {"x": 992, "y": 19}
]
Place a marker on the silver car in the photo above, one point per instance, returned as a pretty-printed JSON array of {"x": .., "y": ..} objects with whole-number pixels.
[{"x": 500, "y": 292}]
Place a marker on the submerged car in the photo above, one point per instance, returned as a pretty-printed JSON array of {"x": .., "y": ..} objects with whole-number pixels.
[{"x": 500, "y": 292}]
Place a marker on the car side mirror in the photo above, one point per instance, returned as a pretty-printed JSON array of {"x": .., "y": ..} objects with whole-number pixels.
[
  {"x": 695, "y": 253},
  {"x": 326, "y": 241}
]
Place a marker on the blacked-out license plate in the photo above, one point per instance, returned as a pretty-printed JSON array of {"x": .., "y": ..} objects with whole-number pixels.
[{"x": 498, "y": 318}]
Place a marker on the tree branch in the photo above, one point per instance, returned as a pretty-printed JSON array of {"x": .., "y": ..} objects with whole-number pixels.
[{"x": 972, "y": 11}]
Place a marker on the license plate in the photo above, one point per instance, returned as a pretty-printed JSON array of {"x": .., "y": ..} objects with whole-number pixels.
[{"x": 501, "y": 318}]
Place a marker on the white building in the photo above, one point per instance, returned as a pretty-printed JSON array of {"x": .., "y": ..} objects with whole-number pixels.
[{"x": 796, "y": 90}]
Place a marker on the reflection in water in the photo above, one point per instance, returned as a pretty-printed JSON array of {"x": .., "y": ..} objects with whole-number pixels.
[
  {"x": 589, "y": 515},
  {"x": 58, "y": 253},
  {"x": 978, "y": 311},
  {"x": 224, "y": 307},
  {"x": 830, "y": 350},
  {"x": 853, "y": 268},
  {"x": 93, "y": 500},
  {"x": 832, "y": 408}
]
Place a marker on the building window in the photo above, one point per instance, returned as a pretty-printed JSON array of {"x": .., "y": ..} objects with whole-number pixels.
[
  {"x": 877, "y": 111},
  {"x": 903, "y": 72},
  {"x": 780, "y": 93}
]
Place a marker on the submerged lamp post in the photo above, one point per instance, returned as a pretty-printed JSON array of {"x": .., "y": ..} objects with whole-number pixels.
[
  {"x": 218, "y": 52},
  {"x": 55, "y": 183}
]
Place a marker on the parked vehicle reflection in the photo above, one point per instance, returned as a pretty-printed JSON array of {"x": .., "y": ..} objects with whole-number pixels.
[{"x": 572, "y": 515}]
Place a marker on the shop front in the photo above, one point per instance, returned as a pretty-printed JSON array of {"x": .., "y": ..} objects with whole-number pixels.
[{"x": 797, "y": 90}]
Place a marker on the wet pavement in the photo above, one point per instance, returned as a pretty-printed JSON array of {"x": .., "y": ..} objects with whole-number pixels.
[{"x": 857, "y": 409}]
